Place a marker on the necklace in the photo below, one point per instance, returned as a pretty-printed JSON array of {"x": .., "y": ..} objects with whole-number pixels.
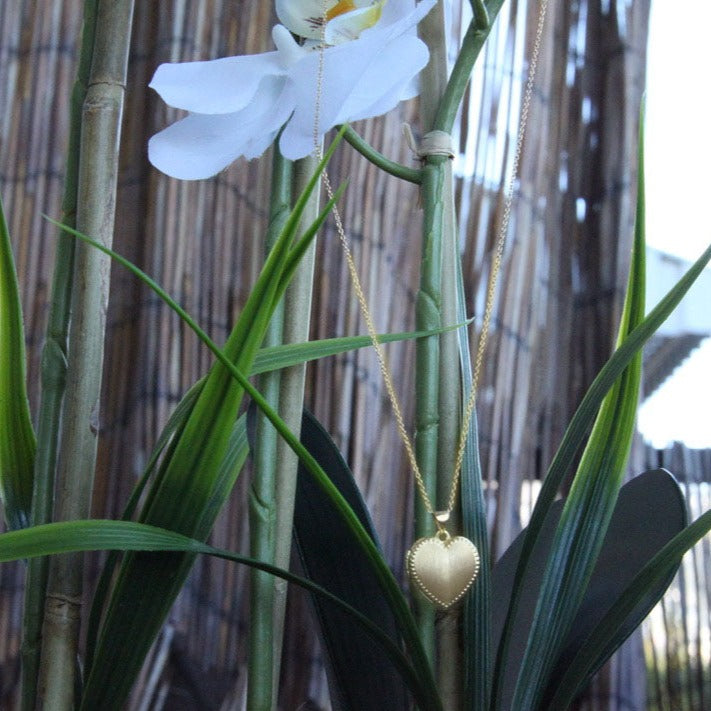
[{"x": 442, "y": 567}]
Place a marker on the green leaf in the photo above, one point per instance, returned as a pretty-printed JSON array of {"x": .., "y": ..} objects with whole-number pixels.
[
  {"x": 577, "y": 430},
  {"x": 193, "y": 481},
  {"x": 149, "y": 584},
  {"x": 174, "y": 424},
  {"x": 388, "y": 583},
  {"x": 17, "y": 438},
  {"x": 649, "y": 512},
  {"x": 635, "y": 596},
  {"x": 589, "y": 506},
  {"x": 284, "y": 356},
  {"x": 477, "y": 605},
  {"x": 98, "y": 535},
  {"x": 359, "y": 675}
]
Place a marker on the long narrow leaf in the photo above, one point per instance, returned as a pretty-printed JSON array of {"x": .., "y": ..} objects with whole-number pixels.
[
  {"x": 17, "y": 438},
  {"x": 106, "y": 535},
  {"x": 284, "y": 356},
  {"x": 175, "y": 423},
  {"x": 477, "y": 606},
  {"x": 192, "y": 485},
  {"x": 389, "y": 584},
  {"x": 579, "y": 425},
  {"x": 589, "y": 506}
]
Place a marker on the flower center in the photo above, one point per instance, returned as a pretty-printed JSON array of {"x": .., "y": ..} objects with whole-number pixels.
[
  {"x": 346, "y": 19},
  {"x": 340, "y": 8}
]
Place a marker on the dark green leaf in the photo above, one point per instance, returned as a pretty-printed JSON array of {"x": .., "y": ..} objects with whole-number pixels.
[
  {"x": 174, "y": 424},
  {"x": 120, "y": 649},
  {"x": 360, "y": 675},
  {"x": 635, "y": 596},
  {"x": 650, "y": 510},
  {"x": 477, "y": 605}
]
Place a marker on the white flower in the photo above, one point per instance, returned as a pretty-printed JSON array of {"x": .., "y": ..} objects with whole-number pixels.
[{"x": 237, "y": 105}]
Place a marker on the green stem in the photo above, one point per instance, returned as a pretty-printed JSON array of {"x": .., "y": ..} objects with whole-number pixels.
[
  {"x": 449, "y": 658},
  {"x": 471, "y": 47},
  {"x": 53, "y": 373},
  {"x": 427, "y": 316},
  {"x": 450, "y": 662},
  {"x": 428, "y": 357},
  {"x": 96, "y": 195},
  {"x": 261, "y": 686},
  {"x": 412, "y": 175},
  {"x": 297, "y": 318}
]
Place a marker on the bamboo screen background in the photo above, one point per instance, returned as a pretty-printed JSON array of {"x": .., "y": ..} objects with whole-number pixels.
[{"x": 559, "y": 296}]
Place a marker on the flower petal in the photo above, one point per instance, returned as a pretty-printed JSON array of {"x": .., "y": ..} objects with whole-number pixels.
[
  {"x": 201, "y": 145},
  {"x": 220, "y": 86},
  {"x": 387, "y": 80},
  {"x": 362, "y": 78},
  {"x": 400, "y": 17}
]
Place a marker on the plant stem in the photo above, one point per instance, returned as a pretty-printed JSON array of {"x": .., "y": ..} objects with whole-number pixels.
[
  {"x": 53, "y": 373},
  {"x": 450, "y": 663},
  {"x": 441, "y": 99},
  {"x": 261, "y": 689},
  {"x": 471, "y": 46},
  {"x": 435, "y": 199},
  {"x": 96, "y": 197},
  {"x": 297, "y": 318},
  {"x": 412, "y": 175}
]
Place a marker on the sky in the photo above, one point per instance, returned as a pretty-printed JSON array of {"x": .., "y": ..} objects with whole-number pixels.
[{"x": 678, "y": 156}]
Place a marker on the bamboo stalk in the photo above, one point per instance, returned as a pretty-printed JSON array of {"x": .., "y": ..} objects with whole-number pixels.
[
  {"x": 96, "y": 195},
  {"x": 53, "y": 374},
  {"x": 297, "y": 318},
  {"x": 262, "y": 677}
]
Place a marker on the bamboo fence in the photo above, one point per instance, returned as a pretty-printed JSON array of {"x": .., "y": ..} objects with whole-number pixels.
[{"x": 558, "y": 301}]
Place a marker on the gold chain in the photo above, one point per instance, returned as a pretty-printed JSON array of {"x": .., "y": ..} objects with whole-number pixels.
[{"x": 491, "y": 286}]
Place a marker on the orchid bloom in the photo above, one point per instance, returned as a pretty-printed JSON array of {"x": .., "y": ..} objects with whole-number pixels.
[{"x": 237, "y": 105}]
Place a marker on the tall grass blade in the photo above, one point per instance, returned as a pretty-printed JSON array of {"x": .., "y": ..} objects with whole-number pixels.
[
  {"x": 477, "y": 605},
  {"x": 17, "y": 437},
  {"x": 578, "y": 429},
  {"x": 175, "y": 423},
  {"x": 284, "y": 356},
  {"x": 192, "y": 484},
  {"x": 589, "y": 506}
]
